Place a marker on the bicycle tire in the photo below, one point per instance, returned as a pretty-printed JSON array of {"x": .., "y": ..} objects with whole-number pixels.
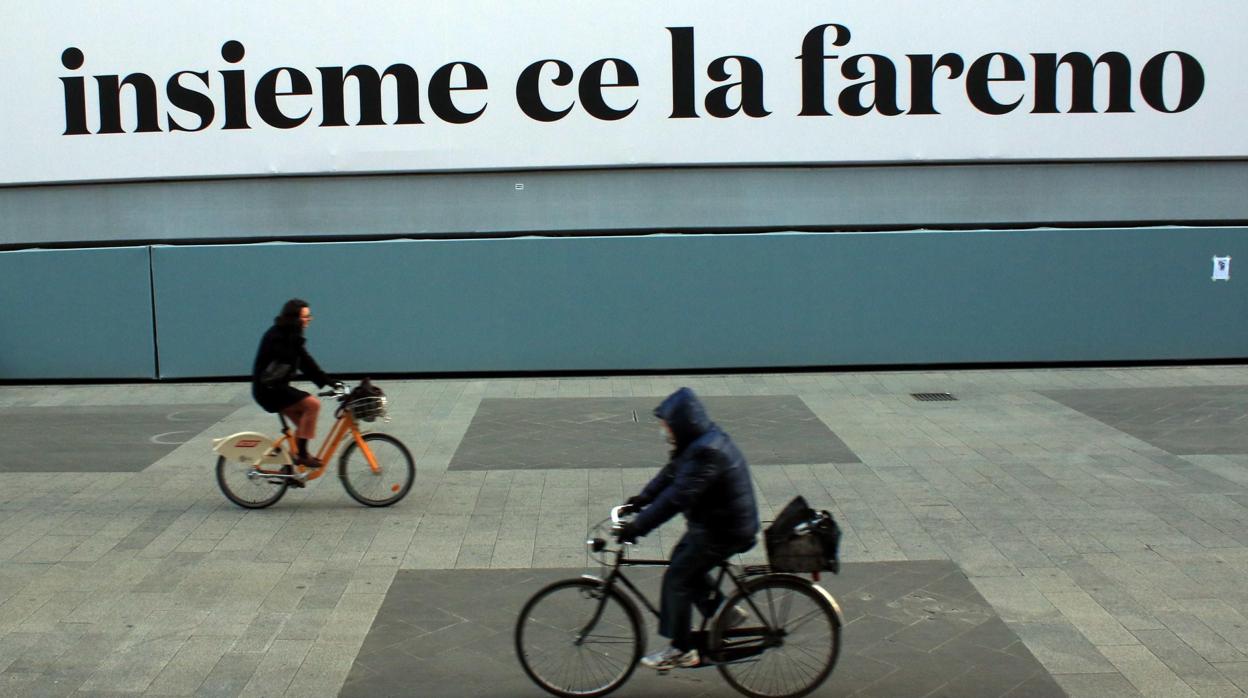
[
  {"x": 391, "y": 484},
  {"x": 793, "y": 670},
  {"x": 577, "y": 601},
  {"x": 268, "y": 492}
]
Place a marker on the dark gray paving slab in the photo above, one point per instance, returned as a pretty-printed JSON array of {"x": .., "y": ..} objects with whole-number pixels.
[
  {"x": 99, "y": 439},
  {"x": 1204, "y": 420},
  {"x": 448, "y": 633},
  {"x": 529, "y": 433}
]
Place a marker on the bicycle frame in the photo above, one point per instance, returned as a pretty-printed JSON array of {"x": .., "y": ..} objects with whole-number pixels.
[
  {"x": 261, "y": 451},
  {"x": 769, "y": 634},
  {"x": 337, "y": 433}
]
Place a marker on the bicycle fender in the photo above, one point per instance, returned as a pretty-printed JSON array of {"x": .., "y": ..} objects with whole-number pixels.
[
  {"x": 249, "y": 447},
  {"x": 836, "y": 607}
]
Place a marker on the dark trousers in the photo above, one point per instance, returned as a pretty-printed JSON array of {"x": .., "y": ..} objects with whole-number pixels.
[{"x": 687, "y": 583}]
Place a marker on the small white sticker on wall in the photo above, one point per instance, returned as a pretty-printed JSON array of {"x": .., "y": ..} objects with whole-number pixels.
[{"x": 1221, "y": 268}]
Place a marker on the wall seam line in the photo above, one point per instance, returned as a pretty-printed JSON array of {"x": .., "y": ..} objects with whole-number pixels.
[{"x": 151, "y": 280}]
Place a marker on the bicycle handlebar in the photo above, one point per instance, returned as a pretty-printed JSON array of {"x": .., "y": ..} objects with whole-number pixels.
[
  {"x": 619, "y": 516},
  {"x": 616, "y": 516},
  {"x": 334, "y": 391}
]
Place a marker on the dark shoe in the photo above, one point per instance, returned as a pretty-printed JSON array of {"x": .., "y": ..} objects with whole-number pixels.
[
  {"x": 294, "y": 479},
  {"x": 310, "y": 462}
]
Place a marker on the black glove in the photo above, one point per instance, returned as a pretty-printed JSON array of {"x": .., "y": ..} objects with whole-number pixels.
[
  {"x": 627, "y": 533},
  {"x": 634, "y": 504}
]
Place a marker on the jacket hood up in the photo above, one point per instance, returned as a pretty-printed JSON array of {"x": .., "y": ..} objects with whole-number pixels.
[{"x": 685, "y": 415}]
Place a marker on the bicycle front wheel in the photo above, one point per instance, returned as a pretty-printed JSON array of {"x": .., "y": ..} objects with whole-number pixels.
[
  {"x": 576, "y": 638},
  {"x": 780, "y": 641},
  {"x": 382, "y": 487},
  {"x": 247, "y": 486}
]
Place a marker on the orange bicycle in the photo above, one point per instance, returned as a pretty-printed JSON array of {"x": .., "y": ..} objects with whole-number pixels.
[{"x": 254, "y": 470}]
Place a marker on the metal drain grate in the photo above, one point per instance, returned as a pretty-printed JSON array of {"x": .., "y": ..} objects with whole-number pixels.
[{"x": 932, "y": 397}]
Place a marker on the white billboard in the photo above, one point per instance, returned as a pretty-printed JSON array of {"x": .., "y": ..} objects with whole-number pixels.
[{"x": 105, "y": 91}]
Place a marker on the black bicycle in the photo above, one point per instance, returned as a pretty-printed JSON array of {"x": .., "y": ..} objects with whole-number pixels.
[{"x": 776, "y": 635}]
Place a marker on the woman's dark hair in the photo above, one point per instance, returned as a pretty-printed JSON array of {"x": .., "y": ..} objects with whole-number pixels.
[{"x": 289, "y": 317}]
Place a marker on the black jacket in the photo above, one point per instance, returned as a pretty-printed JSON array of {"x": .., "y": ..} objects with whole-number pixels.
[
  {"x": 283, "y": 347},
  {"x": 707, "y": 479}
]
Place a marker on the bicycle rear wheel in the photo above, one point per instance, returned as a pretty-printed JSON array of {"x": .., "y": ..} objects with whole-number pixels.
[
  {"x": 385, "y": 486},
  {"x": 246, "y": 486},
  {"x": 574, "y": 638},
  {"x": 783, "y": 645}
]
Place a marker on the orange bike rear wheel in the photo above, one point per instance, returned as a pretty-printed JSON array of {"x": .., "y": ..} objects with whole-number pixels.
[{"x": 248, "y": 487}]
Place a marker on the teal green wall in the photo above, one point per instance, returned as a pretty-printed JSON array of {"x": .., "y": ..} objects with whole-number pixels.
[
  {"x": 631, "y": 303},
  {"x": 630, "y": 268},
  {"x": 710, "y": 301},
  {"x": 76, "y": 314}
]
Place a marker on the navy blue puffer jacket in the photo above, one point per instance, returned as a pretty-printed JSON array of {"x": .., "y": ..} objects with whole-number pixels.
[{"x": 707, "y": 479}]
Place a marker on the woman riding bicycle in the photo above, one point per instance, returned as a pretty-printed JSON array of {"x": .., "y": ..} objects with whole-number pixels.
[{"x": 280, "y": 358}]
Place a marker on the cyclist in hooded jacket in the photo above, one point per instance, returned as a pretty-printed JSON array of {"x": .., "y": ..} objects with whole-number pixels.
[{"x": 708, "y": 480}]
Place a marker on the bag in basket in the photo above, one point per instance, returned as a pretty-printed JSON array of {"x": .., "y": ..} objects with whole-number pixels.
[
  {"x": 367, "y": 402},
  {"x": 803, "y": 540}
]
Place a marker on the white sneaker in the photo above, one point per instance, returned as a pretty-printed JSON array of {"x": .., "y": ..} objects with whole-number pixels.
[{"x": 671, "y": 658}]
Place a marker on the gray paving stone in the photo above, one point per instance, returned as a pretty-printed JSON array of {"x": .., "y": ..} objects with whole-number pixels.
[
  {"x": 325, "y": 668},
  {"x": 1201, "y": 638},
  {"x": 1221, "y": 689},
  {"x": 1101, "y": 685},
  {"x": 525, "y": 433},
  {"x": 188, "y": 669},
  {"x": 1016, "y": 600},
  {"x": 1062, "y": 649},
  {"x": 454, "y": 628},
  {"x": 1181, "y": 420},
  {"x": 1146, "y": 672},
  {"x": 99, "y": 438},
  {"x": 1237, "y": 672},
  {"x": 1090, "y": 619},
  {"x": 1014, "y": 486},
  {"x": 1176, "y": 654},
  {"x": 277, "y": 668}
]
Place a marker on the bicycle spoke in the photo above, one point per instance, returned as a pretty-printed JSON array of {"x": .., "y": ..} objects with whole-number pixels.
[
  {"x": 771, "y": 608},
  {"x": 389, "y": 483},
  {"x": 604, "y": 661},
  {"x": 782, "y": 620},
  {"x": 245, "y": 486},
  {"x": 803, "y": 620},
  {"x": 810, "y": 653},
  {"x": 612, "y": 641},
  {"x": 804, "y": 652},
  {"x": 550, "y": 652},
  {"x": 807, "y": 669}
]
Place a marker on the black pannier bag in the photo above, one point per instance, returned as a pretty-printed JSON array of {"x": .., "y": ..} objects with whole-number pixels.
[{"x": 803, "y": 540}]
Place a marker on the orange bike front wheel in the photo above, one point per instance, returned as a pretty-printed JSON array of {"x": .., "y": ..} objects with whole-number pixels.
[{"x": 386, "y": 485}]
